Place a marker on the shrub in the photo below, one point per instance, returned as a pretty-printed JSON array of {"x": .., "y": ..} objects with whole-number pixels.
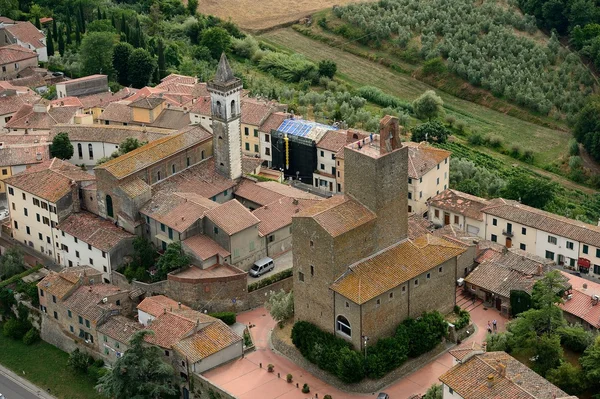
[
  {"x": 528, "y": 156},
  {"x": 431, "y": 132},
  {"x": 450, "y": 120},
  {"x": 327, "y": 68},
  {"x": 573, "y": 147},
  {"x": 424, "y": 333},
  {"x": 270, "y": 280},
  {"x": 16, "y": 329},
  {"x": 495, "y": 141},
  {"x": 31, "y": 337},
  {"x": 464, "y": 317},
  {"x": 515, "y": 151},
  {"x": 476, "y": 138},
  {"x": 270, "y": 368},
  {"x": 305, "y": 388},
  {"x": 290, "y": 68},
  {"x": 377, "y": 96},
  {"x": 327, "y": 397},
  {"x": 575, "y": 337},
  {"x": 434, "y": 66},
  {"x": 461, "y": 126},
  {"x": 568, "y": 378},
  {"x": 227, "y": 317},
  {"x": 79, "y": 361},
  {"x": 289, "y": 378},
  {"x": 18, "y": 277}
]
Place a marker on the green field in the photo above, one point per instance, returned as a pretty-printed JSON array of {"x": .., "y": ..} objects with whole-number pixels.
[
  {"x": 548, "y": 144},
  {"x": 46, "y": 366}
]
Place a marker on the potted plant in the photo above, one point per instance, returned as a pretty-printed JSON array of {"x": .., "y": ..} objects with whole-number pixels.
[
  {"x": 305, "y": 388},
  {"x": 270, "y": 368},
  {"x": 327, "y": 397},
  {"x": 289, "y": 378}
]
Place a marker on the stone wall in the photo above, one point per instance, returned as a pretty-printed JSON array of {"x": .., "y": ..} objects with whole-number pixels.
[
  {"x": 52, "y": 333},
  {"x": 259, "y": 297},
  {"x": 158, "y": 288},
  {"x": 365, "y": 386},
  {"x": 203, "y": 388}
]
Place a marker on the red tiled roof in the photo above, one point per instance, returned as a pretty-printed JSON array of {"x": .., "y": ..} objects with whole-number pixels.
[
  {"x": 250, "y": 191},
  {"x": 172, "y": 326},
  {"x": 116, "y": 112},
  {"x": 333, "y": 140},
  {"x": 15, "y": 53},
  {"x": 255, "y": 112},
  {"x": 119, "y": 328},
  {"x": 287, "y": 191},
  {"x": 103, "y": 99},
  {"x": 158, "y": 304},
  {"x": 232, "y": 217},
  {"x": 66, "y": 102},
  {"x": 581, "y": 303},
  {"x": 50, "y": 180},
  {"x": 27, "y": 33},
  {"x": 273, "y": 121},
  {"x": 85, "y": 79},
  {"x": 422, "y": 158},
  {"x": 418, "y": 226},
  {"x": 24, "y": 155},
  {"x": 206, "y": 342},
  {"x": 93, "y": 230},
  {"x": 27, "y": 118},
  {"x": 201, "y": 106},
  {"x": 278, "y": 214},
  {"x": 20, "y": 90},
  {"x": 204, "y": 247},
  {"x": 338, "y": 215},
  {"x": 87, "y": 300},
  {"x": 461, "y": 203},
  {"x": 108, "y": 133},
  {"x": 177, "y": 210}
]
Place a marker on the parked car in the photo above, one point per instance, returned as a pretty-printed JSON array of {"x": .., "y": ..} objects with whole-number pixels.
[
  {"x": 261, "y": 267},
  {"x": 383, "y": 395},
  {"x": 57, "y": 74}
]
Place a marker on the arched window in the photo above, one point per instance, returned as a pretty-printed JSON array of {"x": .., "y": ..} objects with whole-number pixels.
[
  {"x": 233, "y": 108},
  {"x": 219, "y": 112},
  {"x": 79, "y": 150},
  {"x": 109, "y": 207},
  {"x": 343, "y": 325},
  {"x": 91, "y": 151},
  {"x": 202, "y": 154}
]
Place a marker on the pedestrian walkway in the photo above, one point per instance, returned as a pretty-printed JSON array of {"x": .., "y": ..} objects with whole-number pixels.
[{"x": 245, "y": 378}]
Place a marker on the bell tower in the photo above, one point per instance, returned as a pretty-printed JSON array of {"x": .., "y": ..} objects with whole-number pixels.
[{"x": 225, "y": 91}]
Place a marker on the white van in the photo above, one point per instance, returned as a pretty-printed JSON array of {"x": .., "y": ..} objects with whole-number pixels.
[{"x": 261, "y": 267}]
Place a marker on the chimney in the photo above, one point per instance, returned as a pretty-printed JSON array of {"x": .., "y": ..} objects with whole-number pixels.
[
  {"x": 75, "y": 197},
  {"x": 540, "y": 270},
  {"x": 295, "y": 201},
  {"x": 40, "y": 108},
  {"x": 490, "y": 380},
  {"x": 501, "y": 369}
]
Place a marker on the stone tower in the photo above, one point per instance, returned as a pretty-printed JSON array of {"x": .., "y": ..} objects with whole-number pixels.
[
  {"x": 225, "y": 91},
  {"x": 376, "y": 174}
]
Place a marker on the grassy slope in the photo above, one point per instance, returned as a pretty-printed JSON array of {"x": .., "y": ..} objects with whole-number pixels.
[
  {"x": 548, "y": 144},
  {"x": 46, "y": 366}
]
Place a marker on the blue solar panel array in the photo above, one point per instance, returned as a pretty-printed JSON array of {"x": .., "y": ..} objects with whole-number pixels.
[{"x": 300, "y": 127}]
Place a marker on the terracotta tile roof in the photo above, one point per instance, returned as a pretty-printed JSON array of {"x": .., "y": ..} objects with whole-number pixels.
[
  {"x": 6, "y": 20},
  {"x": 417, "y": 226},
  {"x": 27, "y": 118},
  {"x": 66, "y": 102},
  {"x": 386, "y": 270},
  {"x": 177, "y": 210},
  {"x": 93, "y": 230},
  {"x": 422, "y": 158},
  {"x": 201, "y": 179},
  {"x": 200, "y": 90},
  {"x": 85, "y": 79},
  {"x": 203, "y": 247},
  {"x": 461, "y": 203},
  {"x": 57, "y": 284},
  {"x": 514, "y": 258},
  {"x": 470, "y": 379},
  {"x": 249, "y": 164},
  {"x": 544, "y": 221},
  {"x": 172, "y": 326},
  {"x": 108, "y": 133},
  {"x": 154, "y": 152},
  {"x": 278, "y": 214},
  {"x": 45, "y": 20},
  {"x": 135, "y": 187},
  {"x": 116, "y": 111},
  {"x": 255, "y": 112},
  {"x": 176, "y": 78},
  {"x": 147, "y": 102},
  {"x": 273, "y": 121},
  {"x": 501, "y": 280},
  {"x": 20, "y": 90},
  {"x": 103, "y": 99},
  {"x": 215, "y": 271},
  {"x": 158, "y": 304},
  {"x": 27, "y": 33},
  {"x": 18, "y": 139},
  {"x": 460, "y": 352},
  {"x": 24, "y": 155},
  {"x": 201, "y": 106},
  {"x": 50, "y": 180},
  {"x": 333, "y": 140},
  {"x": 456, "y": 235},
  {"x": 11, "y": 104},
  {"x": 287, "y": 190},
  {"x": 87, "y": 300},
  {"x": 172, "y": 119},
  {"x": 181, "y": 101},
  {"x": 250, "y": 191},
  {"x": 206, "y": 342},
  {"x": 338, "y": 214},
  {"x": 144, "y": 92},
  {"x": 232, "y": 217},
  {"x": 119, "y": 328},
  {"x": 581, "y": 303}
]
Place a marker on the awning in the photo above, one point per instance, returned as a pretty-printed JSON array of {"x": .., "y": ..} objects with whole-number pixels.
[{"x": 583, "y": 262}]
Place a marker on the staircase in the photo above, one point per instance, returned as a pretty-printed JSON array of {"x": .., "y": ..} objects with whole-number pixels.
[{"x": 465, "y": 301}]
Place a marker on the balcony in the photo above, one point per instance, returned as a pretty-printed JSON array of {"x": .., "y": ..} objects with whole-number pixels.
[{"x": 508, "y": 233}]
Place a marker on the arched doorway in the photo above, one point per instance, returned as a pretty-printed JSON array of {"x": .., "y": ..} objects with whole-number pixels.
[{"x": 343, "y": 325}]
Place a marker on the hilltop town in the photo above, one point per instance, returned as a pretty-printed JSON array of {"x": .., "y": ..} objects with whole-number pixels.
[{"x": 167, "y": 235}]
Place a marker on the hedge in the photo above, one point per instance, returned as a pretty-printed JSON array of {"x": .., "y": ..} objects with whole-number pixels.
[
  {"x": 19, "y": 276},
  {"x": 335, "y": 355},
  {"x": 227, "y": 317},
  {"x": 464, "y": 317},
  {"x": 270, "y": 280}
]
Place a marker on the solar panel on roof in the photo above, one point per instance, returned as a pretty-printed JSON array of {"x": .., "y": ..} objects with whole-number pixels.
[{"x": 302, "y": 128}]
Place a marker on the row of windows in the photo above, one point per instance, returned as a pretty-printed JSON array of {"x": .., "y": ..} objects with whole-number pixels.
[
  {"x": 42, "y": 204},
  {"x": 188, "y": 162},
  {"x": 90, "y": 151},
  {"x": 247, "y": 133}
]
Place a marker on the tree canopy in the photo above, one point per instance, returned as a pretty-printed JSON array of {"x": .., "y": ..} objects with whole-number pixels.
[
  {"x": 140, "y": 67},
  {"x": 140, "y": 373},
  {"x": 281, "y": 305},
  {"x": 430, "y": 131},
  {"x": 533, "y": 192},
  {"x": 11, "y": 262},
  {"x": 428, "y": 106},
  {"x": 61, "y": 146},
  {"x": 96, "y": 53},
  {"x": 217, "y": 40}
]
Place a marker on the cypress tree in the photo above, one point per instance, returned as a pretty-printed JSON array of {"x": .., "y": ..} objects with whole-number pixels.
[
  {"x": 104, "y": 14},
  {"x": 113, "y": 21},
  {"x": 61, "y": 43},
  {"x": 37, "y": 23},
  {"x": 69, "y": 28},
  {"x": 54, "y": 28},
  {"x": 99, "y": 13},
  {"x": 81, "y": 18},
  {"x": 49, "y": 43},
  {"x": 78, "y": 35},
  {"x": 123, "y": 26},
  {"x": 162, "y": 65}
]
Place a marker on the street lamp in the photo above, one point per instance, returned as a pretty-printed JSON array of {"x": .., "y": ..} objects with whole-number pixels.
[{"x": 365, "y": 340}]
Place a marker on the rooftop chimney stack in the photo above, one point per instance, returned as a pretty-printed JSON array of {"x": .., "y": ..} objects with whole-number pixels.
[{"x": 490, "y": 380}]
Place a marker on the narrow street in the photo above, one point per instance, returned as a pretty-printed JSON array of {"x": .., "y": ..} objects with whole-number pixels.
[{"x": 15, "y": 387}]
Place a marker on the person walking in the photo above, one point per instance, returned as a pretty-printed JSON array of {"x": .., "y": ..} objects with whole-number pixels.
[
  {"x": 489, "y": 327},
  {"x": 495, "y": 325}
]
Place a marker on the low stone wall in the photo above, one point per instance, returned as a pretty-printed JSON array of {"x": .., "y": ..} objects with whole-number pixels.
[
  {"x": 258, "y": 297},
  {"x": 158, "y": 288},
  {"x": 365, "y": 386},
  {"x": 203, "y": 388},
  {"x": 52, "y": 333}
]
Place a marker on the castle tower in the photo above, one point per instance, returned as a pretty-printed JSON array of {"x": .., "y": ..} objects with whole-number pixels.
[{"x": 225, "y": 91}]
